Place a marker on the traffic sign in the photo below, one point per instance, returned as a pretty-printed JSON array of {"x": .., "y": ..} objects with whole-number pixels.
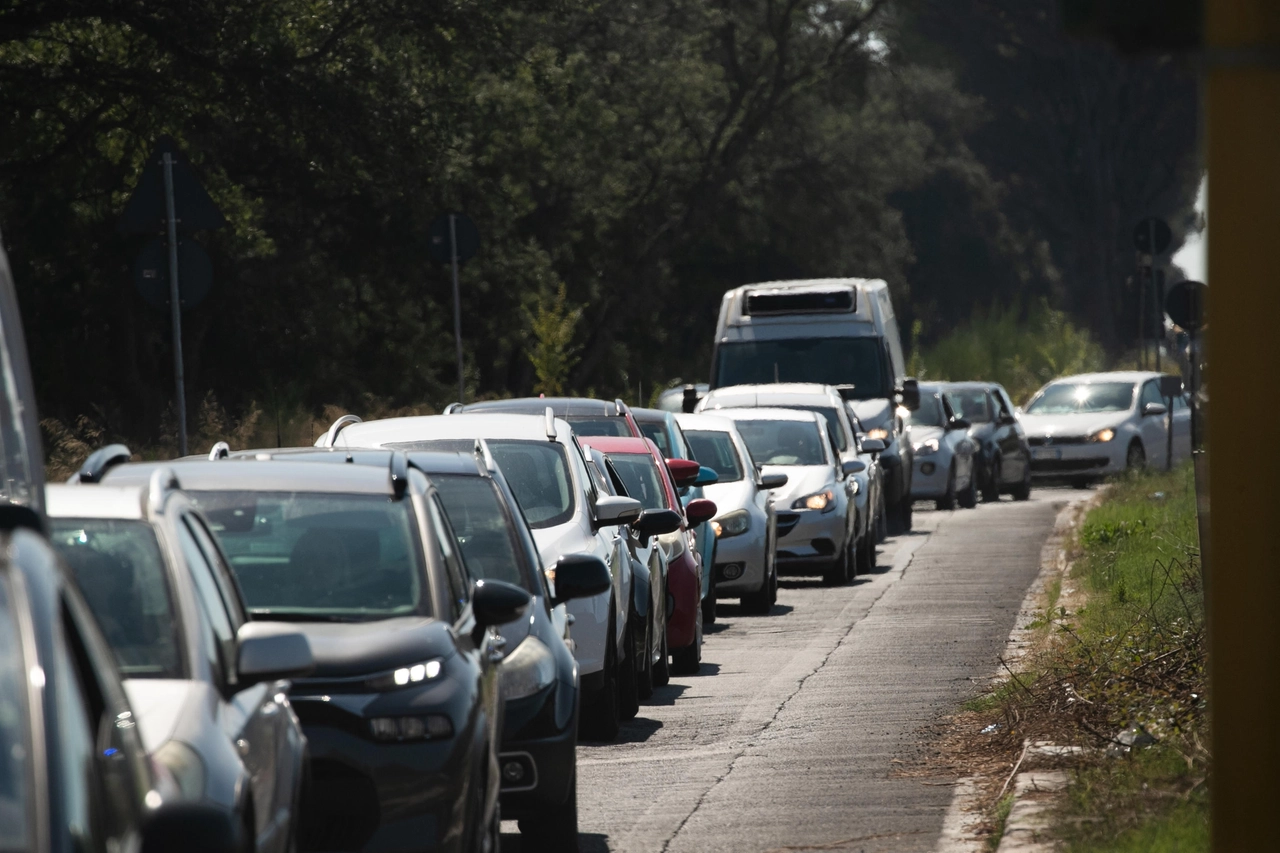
[
  {"x": 1185, "y": 304},
  {"x": 1150, "y": 229},
  {"x": 151, "y": 273},
  {"x": 465, "y": 232},
  {"x": 145, "y": 212}
]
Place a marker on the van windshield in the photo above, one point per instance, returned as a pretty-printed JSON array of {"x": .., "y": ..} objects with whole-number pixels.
[{"x": 828, "y": 361}]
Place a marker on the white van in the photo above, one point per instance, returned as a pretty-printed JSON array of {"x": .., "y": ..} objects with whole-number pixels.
[{"x": 833, "y": 331}]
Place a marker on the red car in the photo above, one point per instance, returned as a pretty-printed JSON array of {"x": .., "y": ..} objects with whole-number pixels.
[{"x": 651, "y": 480}]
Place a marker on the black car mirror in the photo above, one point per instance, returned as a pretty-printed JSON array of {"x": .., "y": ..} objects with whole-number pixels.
[
  {"x": 958, "y": 423},
  {"x": 1007, "y": 419},
  {"x": 873, "y": 445},
  {"x": 852, "y": 466},
  {"x": 772, "y": 480},
  {"x": 582, "y": 576},
  {"x": 497, "y": 603},
  {"x": 269, "y": 651},
  {"x": 192, "y": 828},
  {"x": 655, "y": 522},
  {"x": 909, "y": 394}
]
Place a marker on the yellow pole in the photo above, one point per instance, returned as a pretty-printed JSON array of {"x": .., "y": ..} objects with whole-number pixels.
[{"x": 1243, "y": 155}]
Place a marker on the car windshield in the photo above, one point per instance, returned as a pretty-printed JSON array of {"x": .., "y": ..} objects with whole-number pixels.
[
  {"x": 783, "y": 442},
  {"x": 971, "y": 404},
  {"x": 1068, "y": 398},
  {"x": 833, "y": 422},
  {"x": 639, "y": 473},
  {"x": 930, "y": 411},
  {"x": 827, "y": 361},
  {"x": 15, "y": 831},
  {"x": 318, "y": 556},
  {"x": 475, "y": 511},
  {"x": 604, "y": 425},
  {"x": 657, "y": 433},
  {"x": 120, "y": 572},
  {"x": 716, "y": 450}
]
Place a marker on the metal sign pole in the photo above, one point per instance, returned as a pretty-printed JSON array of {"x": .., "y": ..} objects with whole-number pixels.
[
  {"x": 1155, "y": 290},
  {"x": 175, "y": 307},
  {"x": 457, "y": 306},
  {"x": 1142, "y": 318}
]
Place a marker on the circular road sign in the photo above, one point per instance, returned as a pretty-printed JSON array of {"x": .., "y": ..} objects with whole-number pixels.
[
  {"x": 151, "y": 273},
  {"x": 1142, "y": 233},
  {"x": 1185, "y": 304},
  {"x": 465, "y": 232}
]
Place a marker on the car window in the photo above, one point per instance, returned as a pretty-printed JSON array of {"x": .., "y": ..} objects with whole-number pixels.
[
  {"x": 606, "y": 425},
  {"x": 1179, "y": 402},
  {"x": 972, "y": 404},
  {"x": 930, "y": 411},
  {"x": 78, "y": 712},
  {"x": 639, "y": 472},
  {"x": 834, "y": 428},
  {"x": 783, "y": 442},
  {"x": 482, "y": 526},
  {"x": 1151, "y": 393},
  {"x": 222, "y": 573},
  {"x": 657, "y": 432},
  {"x": 1003, "y": 401},
  {"x": 538, "y": 474},
  {"x": 15, "y": 746},
  {"x": 1066, "y": 398},
  {"x": 321, "y": 556},
  {"x": 455, "y": 570},
  {"x": 121, "y": 574},
  {"x": 221, "y": 645},
  {"x": 716, "y": 450}
]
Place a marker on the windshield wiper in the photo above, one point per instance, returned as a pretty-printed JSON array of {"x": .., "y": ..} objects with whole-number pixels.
[{"x": 295, "y": 616}]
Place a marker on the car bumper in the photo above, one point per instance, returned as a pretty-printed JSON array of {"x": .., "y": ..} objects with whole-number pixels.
[
  {"x": 1094, "y": 459},
  {"x": 930, "y": 478},
  {"x": 684, "y": 580},
  {"x": 745, "y": 556},
  {"x": 545, "y": 757},
  {"x": 816, "y": 538}
]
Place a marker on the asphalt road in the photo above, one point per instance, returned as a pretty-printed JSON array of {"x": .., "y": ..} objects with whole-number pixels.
[{"x": 786, "y": 739}]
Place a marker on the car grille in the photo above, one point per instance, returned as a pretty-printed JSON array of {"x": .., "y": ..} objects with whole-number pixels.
[
  {"x": 786, "y": 521},
  {"x": 1041, "y": 440},
  {"x": 1066, "y": 466},
  {"x": 339, "y": 810}
]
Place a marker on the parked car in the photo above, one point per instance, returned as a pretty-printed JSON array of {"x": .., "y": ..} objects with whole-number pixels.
[
  {"x": 816, "y": 521},
  {"x": 1003, "y": 456},
  {"x": 746, "y": 523},
  {"x": 944, "y": 453},
  {"x": 647, "y": 479},
  {"x": 207, "y": 686},
  {"x": 662, "y": 429},
  {"x": 648, "y": 579},
  {"x": 1085, "y": 427},
  {"x": 539, "y": 682},
  {"x": 402, "y": 714},
  {"x": 841, "y": 332},
  {"x": 585, "y": 415},
  {"x": 543, "y": 463},
  {"x": 61, "y": 701},
  {"x": 844, "y": 430}
]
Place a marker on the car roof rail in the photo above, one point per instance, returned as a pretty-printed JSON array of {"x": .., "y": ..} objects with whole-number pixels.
[
  {"x": 100, "y": 461},
  {"x": 399, "y": 473},
  {"x": 551, "y": 424},
  {"x": 345, "y": 421},
  {"x": 620, "y": 406},
  {"x": 221, "y": 450},
  {"x": 453, "y": 409},
  {"x": 163, "y": 481}
]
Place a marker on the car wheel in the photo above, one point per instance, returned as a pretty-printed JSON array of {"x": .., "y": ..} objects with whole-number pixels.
[
  {"x": 1136, "y": 458},
  {"x": 600, "y": 716},
  {"x": 991, "y": 489},
  {"x": 837, "y": 571},
  {"x": 904, "y": 514},
  {"x": 644, "y": 675},
  {"x": 868, "y": 549},
  {"x": 758, "y": 603},
  {"x": 1022, "y": 491},
  {"x": 882, "y": 524},
  {"x": 629, "y": 675},
  {"x": 556, "y": 827},
  {"x": 685, "y": 661},
  {"x": 709, "y": 602},
  {"x": 968, "y": 499},
  {"x": 948, "y": 500},
  {"x": 662, "y": 669}
]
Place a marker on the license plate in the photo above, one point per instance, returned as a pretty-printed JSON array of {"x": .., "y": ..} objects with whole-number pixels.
[{"x": 1046, "y": 453}]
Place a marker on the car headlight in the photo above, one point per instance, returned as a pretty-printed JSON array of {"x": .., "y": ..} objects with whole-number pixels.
[
  {"x": 880, "y": 433},
  {"x": 527, "y": 670},
  {"x": 824, "y": 500},
  {"x": 927, "y": 448},
  {"x": 733, "y": 523},
  {"x": 186, "y": 767},
  {"x": 1103, "y": 435},
  {"x": 406, "y": 676}
]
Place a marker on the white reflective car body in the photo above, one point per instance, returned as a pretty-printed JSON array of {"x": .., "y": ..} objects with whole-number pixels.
[
  {"x": 1092, "y": 425},
  {"x": 572, "y": 532}
]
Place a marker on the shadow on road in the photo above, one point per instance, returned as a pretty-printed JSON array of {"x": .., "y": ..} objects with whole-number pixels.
[
  {"x": 706, "y": 669},
  {"x": 588, "y": 842},
  {"x": 639, "y": 729},
  {"x": 718, "y": 626},
  {"x": 666, "y": 695},
  {"x": 735, "y": 611}
]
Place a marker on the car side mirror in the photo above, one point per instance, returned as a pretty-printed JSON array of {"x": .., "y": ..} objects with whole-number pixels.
[
  {"x": 852, "y": 466},
  {"x": 1007, "y": 419},
  {"x": 773, "y": 480},
  {"x": 581, "y": 576},
  {"x": 497, "y": 602},
  {"x": 655, "y": 522},
  {"x": 958, "y": 423},
  {"x": 706, "y": 476},
  {"x": 683, "y": 471},
  {"x": 699, "y": 511},
  {"x": 192, "y": 828},
  {"x": 873, "y": 445},
  {"x": 267, "y": 651},
  {"x": 908, "y": 395},
  {"x": 1154, "y": 409},
  {"x": 611, "y": 510}
]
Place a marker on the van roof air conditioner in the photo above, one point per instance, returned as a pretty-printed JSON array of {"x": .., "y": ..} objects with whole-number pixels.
[{"x": 767, "y": 302}]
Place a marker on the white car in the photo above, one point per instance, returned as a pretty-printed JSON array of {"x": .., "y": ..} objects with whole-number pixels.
[
  {"x": 816, "y": 521},
  {"x": 745, "y": 526},
  {"x": 944, "y": 453},
  {"x": 218, "y": 720},
  {"x": 546, "y": 469},
  {"x": 1085, "y": 427}
]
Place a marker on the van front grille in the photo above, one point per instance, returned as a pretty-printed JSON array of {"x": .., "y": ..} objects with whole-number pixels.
[{"x": 840, "y": 301}]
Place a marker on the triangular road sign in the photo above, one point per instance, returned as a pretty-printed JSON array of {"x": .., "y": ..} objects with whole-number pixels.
[{"x": 145, "y": 212}]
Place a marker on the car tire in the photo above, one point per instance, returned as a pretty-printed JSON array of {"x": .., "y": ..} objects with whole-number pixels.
[
  {"x": 709, "y": 602},
  {"x": 991, "y": 489},
  {"x": 1135, "y": 458},
  {"x": 644, "y": 673},
  {"x": 758, "y": 603},
  {"x": 968, "y": 499},
  {"x": 868, "y": 549},
  {"x": 1022, "y": 491},
  {"x": 837, "y": 572},
  {"x": 662, "y": 669},
  {"x": 904, "y": 514},
  {"x": 948, "y": 501},
  {"x": 882, "y": 522},
  {"x": 600, "y": 713},
  {"x": 556, "y": 827},
  {"x": 629, "y": 675},
  {"x": 685, "y": 661}
]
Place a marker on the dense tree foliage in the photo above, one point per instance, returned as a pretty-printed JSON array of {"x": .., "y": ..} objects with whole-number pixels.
[{"x": 626, "y": 162}]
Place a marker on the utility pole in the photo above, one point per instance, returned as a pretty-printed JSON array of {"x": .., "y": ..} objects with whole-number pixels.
[
  {"x": 175, "y": 306},
  {"x": 457, "y": 306}
]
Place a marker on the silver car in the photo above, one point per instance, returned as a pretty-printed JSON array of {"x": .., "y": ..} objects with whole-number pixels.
[
  {"x": 746, "y": 527},
  {"x": 206, "y": 684},
  {"x": 944, "y": 452}
]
